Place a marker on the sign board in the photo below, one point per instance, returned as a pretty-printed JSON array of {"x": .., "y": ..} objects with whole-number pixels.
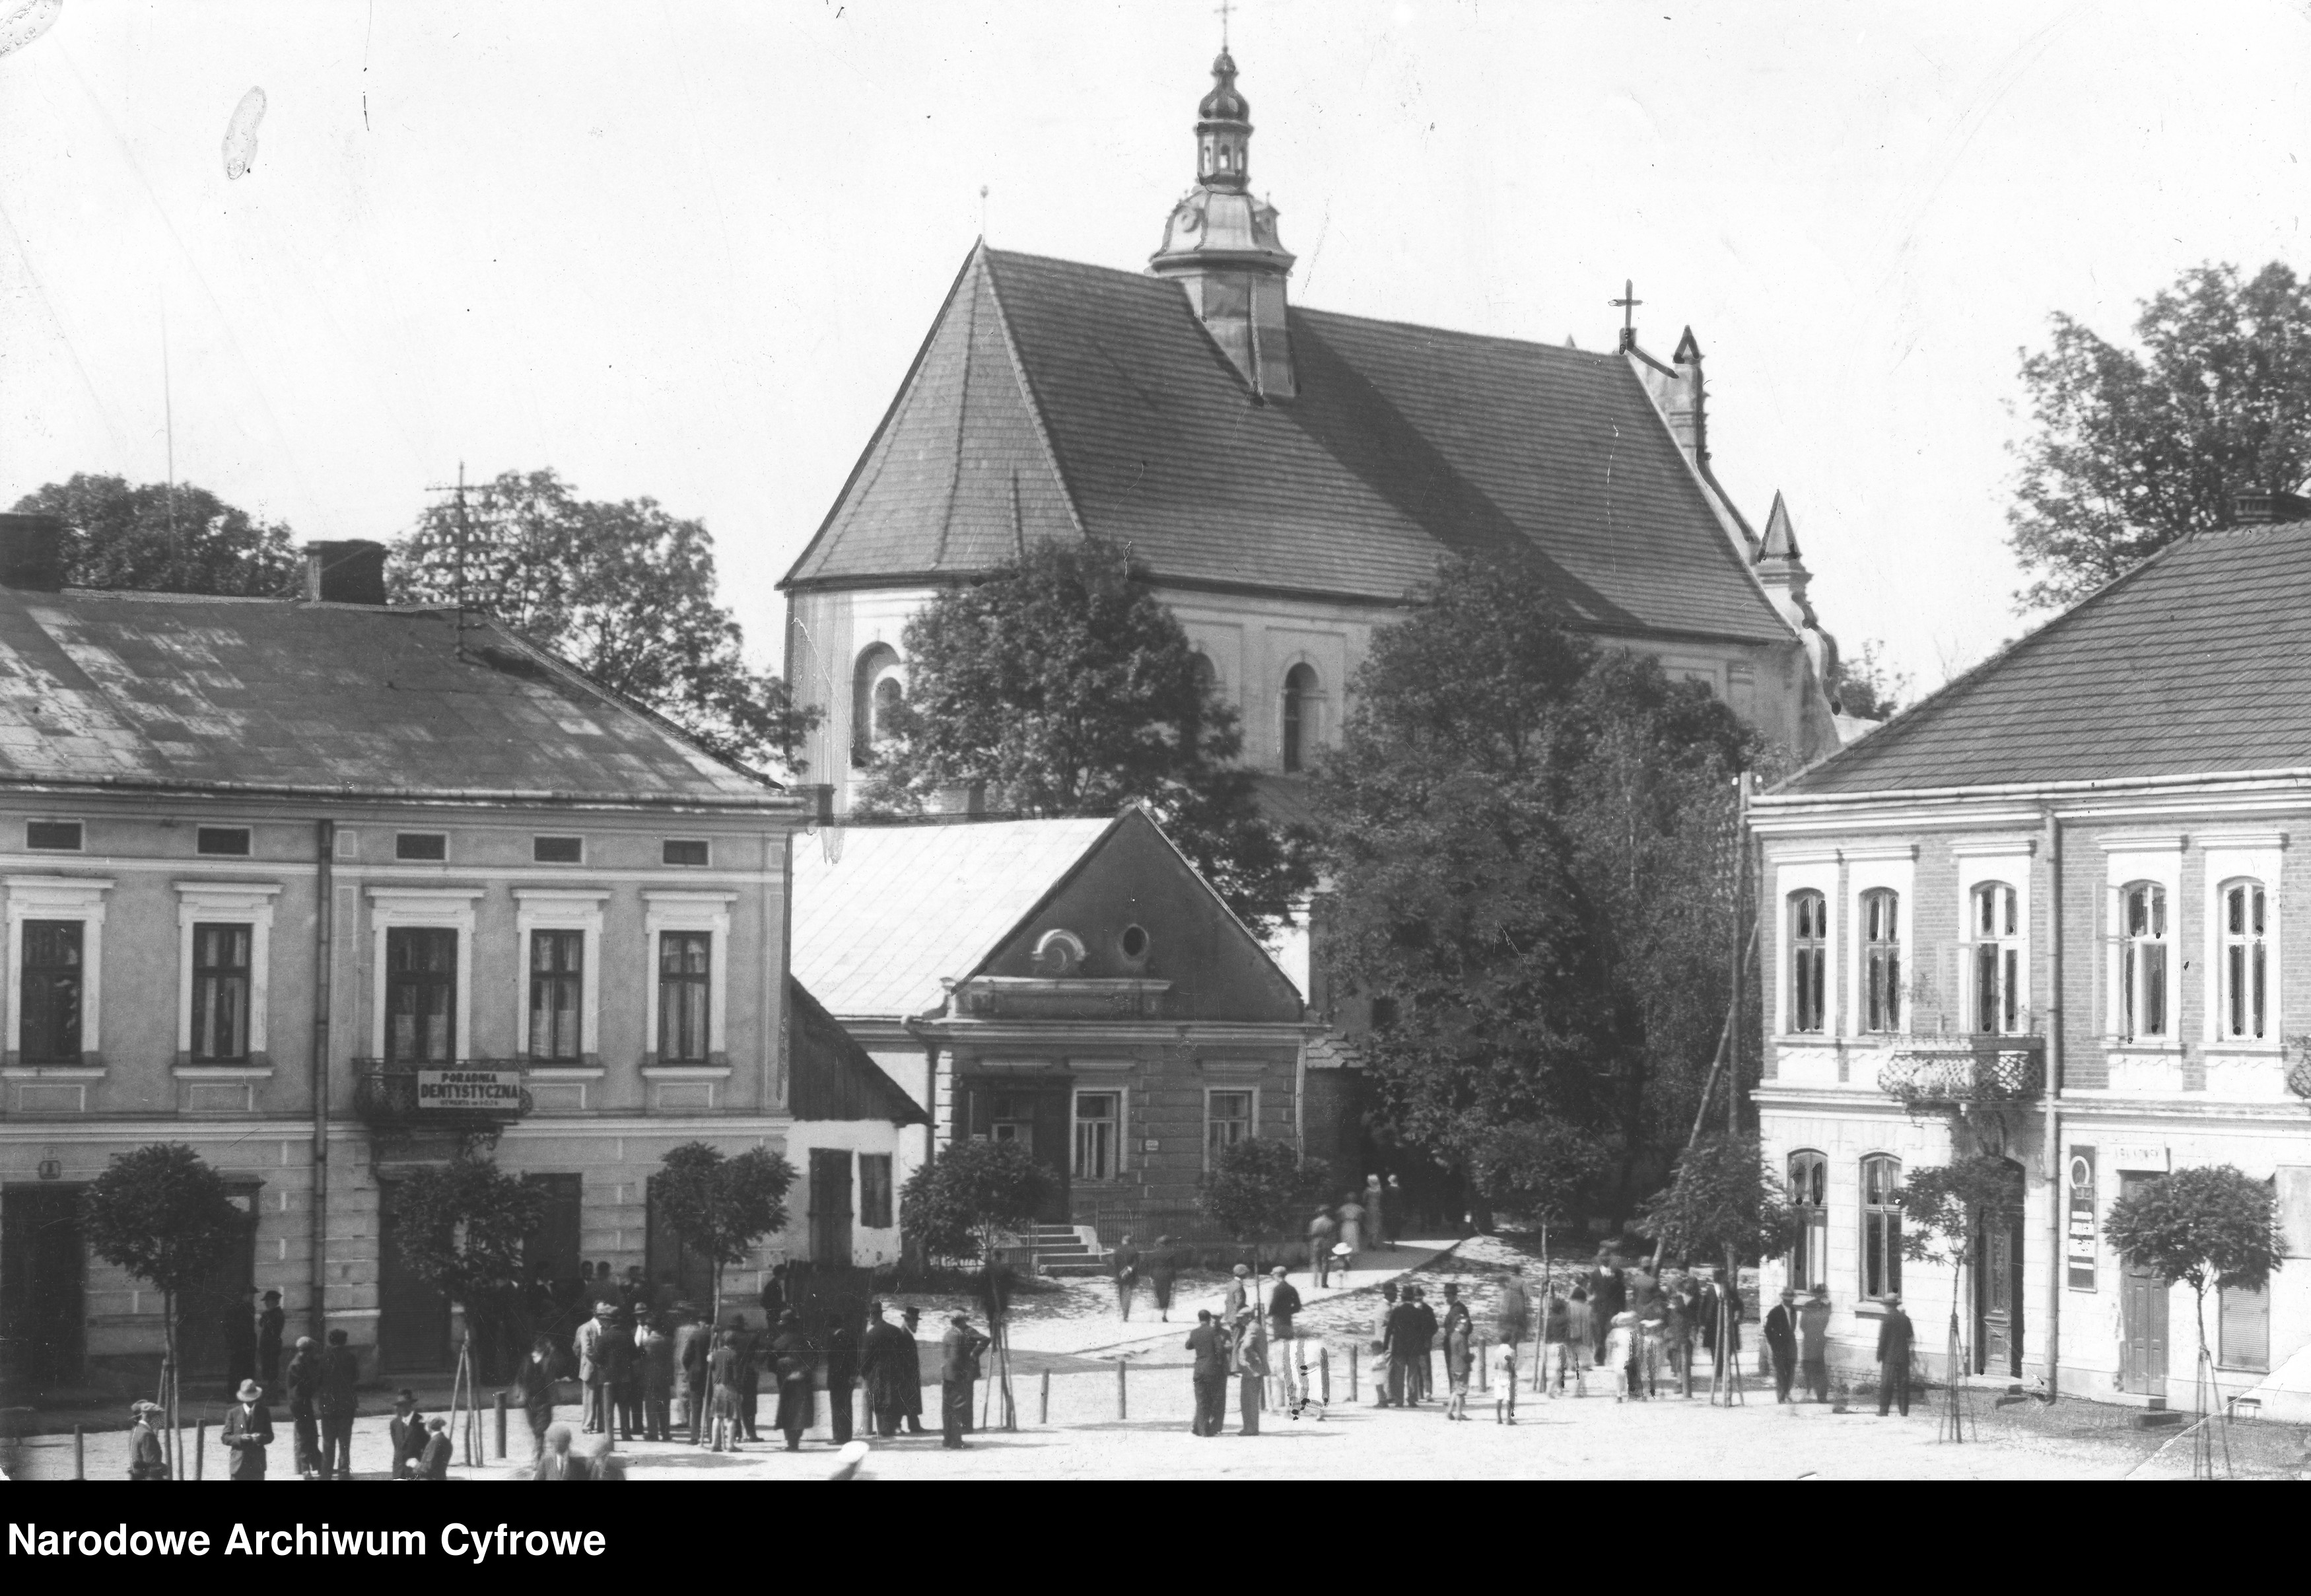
[
  {"x": 2079, "y": 1234},
  {"x": 498, "y": 1090},
  {"x": 2137, "y": 1156}
]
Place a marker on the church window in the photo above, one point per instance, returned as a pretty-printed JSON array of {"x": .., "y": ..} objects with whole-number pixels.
[
  {"x": 1881, "y": 961},
  {"x": 1809, "y": 961},
  {"x": 875, "y": 690},
  {"x": 2143, "y": 961},
  {"x": 1881, "y": 1225},
  {"x": 1299, "y": 717},
  {"x": 1997, "y": 959},
  {"x": 2245, "y": 971},
  {"x": 1809, "y": 1202}
]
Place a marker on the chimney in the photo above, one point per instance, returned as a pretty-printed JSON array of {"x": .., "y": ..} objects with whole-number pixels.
[
  {"x": 346, "y": 571},
  {"x": 2261, "y": 509},
  {"x": 32, "y": 552}
]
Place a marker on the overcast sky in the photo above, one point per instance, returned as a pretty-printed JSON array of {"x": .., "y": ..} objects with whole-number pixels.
[{"x": 687, "y": 250}]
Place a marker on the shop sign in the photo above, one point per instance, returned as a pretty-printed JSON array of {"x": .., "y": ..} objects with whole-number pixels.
[
  {"x": 470, "y": 1089},
  {"x": 2079, "y": 1239}
]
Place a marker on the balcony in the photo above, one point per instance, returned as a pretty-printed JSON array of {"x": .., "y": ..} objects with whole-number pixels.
[
  {"x": 459, "y": 1096},
  {"x": 1961, "y": 1072}
]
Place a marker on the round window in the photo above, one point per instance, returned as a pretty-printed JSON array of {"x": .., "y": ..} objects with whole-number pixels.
[{"x": 1135, "y": 943}]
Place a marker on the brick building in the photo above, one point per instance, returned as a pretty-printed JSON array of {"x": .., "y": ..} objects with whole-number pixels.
[{"x": 2057, "y": 912}]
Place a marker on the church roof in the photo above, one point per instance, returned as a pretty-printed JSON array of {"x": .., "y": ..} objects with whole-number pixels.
[
  {"x": 1053, "y": 399},
  {"x": 2196, "y": 662}
]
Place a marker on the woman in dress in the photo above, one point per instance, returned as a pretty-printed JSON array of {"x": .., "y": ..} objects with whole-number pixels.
[
  {"x": 1352, "y": 1227},
  {"x": 1458, "y": 1356},
  {"x": 1163, "y": 1269}
]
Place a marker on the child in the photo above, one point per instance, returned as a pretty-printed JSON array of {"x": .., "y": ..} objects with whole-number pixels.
[
  {"x": 1581, "y": 1331},
  {"x": 1505, "y": 1366},
  {"x": 1621, "y": 1354},
  {"x": 1459, "y": 1358}
]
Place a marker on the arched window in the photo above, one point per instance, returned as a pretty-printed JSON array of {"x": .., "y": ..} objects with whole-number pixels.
[
  {"x": 2143, "y": 961},
  {"x": 1207, "y": 675},
  {"x": 875, "y": 690},
  {"x": 1809, "y": 1201},
  {"x": 1881, "y": 961},
  {"x": 1809, "y": 961},
  {"x": 2245, "y": 968},
  {"x": 1881, "y": 1225},
  {"x": 1997, "y": 959},
  {"x": 1299, "y": 716}
]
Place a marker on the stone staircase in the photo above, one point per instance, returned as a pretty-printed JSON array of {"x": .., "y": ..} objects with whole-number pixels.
[{"x": 1066, "y": 1250}]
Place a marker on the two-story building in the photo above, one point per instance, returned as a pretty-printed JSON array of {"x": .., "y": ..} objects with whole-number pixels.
[
  {"x": 323, "y": 888},
  {"x": 2059, "y": 913}
]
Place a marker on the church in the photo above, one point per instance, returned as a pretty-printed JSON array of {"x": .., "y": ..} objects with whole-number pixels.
[{"x": 1290, "y": 478}]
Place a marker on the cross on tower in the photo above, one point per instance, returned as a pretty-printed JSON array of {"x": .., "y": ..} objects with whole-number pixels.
[
  {"x": 1629, "y": 303},
  {"x": 1225, "y": 6}
]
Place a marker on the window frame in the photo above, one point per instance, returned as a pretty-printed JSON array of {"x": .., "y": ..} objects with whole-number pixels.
[
  {"x": 2242, "y": 967},
  {"x": 876, "y": 663},
  {"x": 538, "y": 841},
  {"x": 2129, "y": 863},
  {"x": 2145, "y": 971},
  {"x": 670, "y": 909},
  {"x": 2254, "y": 1360},
  {"x": 1300, "y": 724},
  {"x": 203, "y": 834},
  {"x": 1118, "y": 1164},
  {"x": 403, "y": 839},
  {"x": 2233, "y": 859},
  {"x": 1807, "y": 1265},
  {"x": 57, "y": 898},
  {"x": 679, "y": 979},
  {"x": 79, "y": 844},
  {"x": 554, "y": 977},
  {"x": 1806, "y": 961},
  {"x": 1211, "y": 1123},
  {"x": 704, "y": 861},
  {"x": 877, "y": 1191},
  {"x": 1878, "y": 925},
  {"x": 435, "y": 908},
  {"x": 1994, "y": 1006},
  {"x": 446, "y": 978},
  {"x": 59, "y": 1014},
  {"x": 1795, "y": 873},
  {"x": 226, "y": 903},
  {"x": 1881, "y": 1220},
  {"x": 213, "y": 974}
]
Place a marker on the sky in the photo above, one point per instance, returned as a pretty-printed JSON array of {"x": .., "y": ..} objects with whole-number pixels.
[{"x": 687, "y": 250}]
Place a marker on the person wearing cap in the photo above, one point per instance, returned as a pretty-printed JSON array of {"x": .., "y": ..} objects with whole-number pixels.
[
  {"x": 433, "y": 1463},
  {"x": 1238, "y": 1305},
  {"x": 1893, "y": 1338},
  {"x": 1283, "y": 1306},
  {"x": 1252, "y": 1373},
  {"x": 146, "y": 1460},
  {"x": 247, "y": 1429},
  {"x": 1209, "y": 1343},
  {"x": 959, "y": 1351},
  {"x": 270, "y": 1324},
  {"x": 409, "y": 1432},
  {"x": 303, "y": 1381}
]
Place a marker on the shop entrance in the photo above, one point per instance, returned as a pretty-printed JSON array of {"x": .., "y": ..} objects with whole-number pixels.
[
  {"x": 413, "y": 1313},
  {"x": 216, "y": 1321},
  {"x": 1034, "y": 1115},
  {"x": 830, "y": 1205},
  {"x": 2142, "y": 1303},
  {"x": 1998, "y": 1283},
  {"x": 43, "y": 1284}
]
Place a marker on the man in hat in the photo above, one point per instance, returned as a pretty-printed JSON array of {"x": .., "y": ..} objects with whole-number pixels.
[
  {"x": 340, "y": 1399},
  {"x": 1813, "y": 1344},
  {"x": 1283, "y": 1306},
  {"x": 656, "y": 1359},
  {"x": 792, "y": 1359},
  {"x": 1209, "y": 1343},
  {"x": 247, "y": 1429},
  {"x": 534, "y": 1387},
  {"x": 1239, "y": 1298},
  {"x": 842, "y": 1356},
  {"x": 433, "y": 1463},
  {"x": 409, "y": 1432},
  {"x": 270, "y": 1323},
  {"x": 959, "y": 1351},
  {"x": 145, "y": 1459},
  {"x": 745, "y": 1374},
  {"x": 1893, "y": 1338},
  {"x": 910, "y": 1396},
  {"x": 591, "y": 1346},
  {"x": 887, "y": 1362},
  {"x": 690, "y": 1345},
  {"x": 1782, "y": 1342},
  {"x": 303, "y": 1380},
  {"x": 1321, "y": 1230}
]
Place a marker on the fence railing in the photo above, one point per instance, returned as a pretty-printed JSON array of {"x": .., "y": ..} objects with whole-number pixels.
[{"x": 1966, "y": 1069}]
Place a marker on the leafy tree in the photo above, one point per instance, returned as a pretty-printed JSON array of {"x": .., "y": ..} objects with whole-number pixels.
[
  {"x": 722, "y": 1206},
  {"x": 1945, "y": 1208},
  {"x": 163, "y": 1215},
  {"x": 1544, "y": 1170},
  {"x": 1263, "y": 1189},
  {"x": 1532, "y": 841},
  {"x": 1724, "y": 1200},
  {"x": 1063, "y": 685},
  {"x": 2211, "y": 1226},
  {"x": 624, "y": 591},
  {"x": 462, "y": 1226},
  {"x": 1866, "y": 683},
  {"x": 155, "y": 538},
  {"x": 2136, "y": 447},
  {"x": 954, "y": 1206}
]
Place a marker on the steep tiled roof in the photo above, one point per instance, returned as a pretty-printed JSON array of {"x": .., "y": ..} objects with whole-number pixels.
[
  {"x": 1058, "y": 399},
  {"x": 2199, "y": 660},
  {"x": 171, "y": 690},
  {"x": 882, "y": 913}
]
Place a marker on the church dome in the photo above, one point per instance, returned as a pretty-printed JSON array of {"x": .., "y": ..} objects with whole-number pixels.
[{"x": 1223, "y": 104}]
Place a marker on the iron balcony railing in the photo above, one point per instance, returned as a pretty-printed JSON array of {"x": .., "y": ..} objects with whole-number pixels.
[
  {"x": 446, "y": 1095},
  {"x": 1966, "y": 1069}
]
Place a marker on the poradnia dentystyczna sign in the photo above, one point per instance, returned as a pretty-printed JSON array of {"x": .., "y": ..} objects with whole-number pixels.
[{"x": 470, "y": 1088}]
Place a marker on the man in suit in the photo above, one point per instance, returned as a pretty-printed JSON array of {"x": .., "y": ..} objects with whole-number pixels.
[
  {"x": 1608, "y": 1296},
  {"x": 248, "y": 1431},
  {"x": 1125, "y": 1262},
  {"x": 1322, "y": 1230},
  {"x": 1893, "y": 1338},
  {"x": 958, "y": 1368},
  {"x": 270, "y": 1324},
  {"x": 535, "y": 1389},
  {"x": 910, "y": 1398},
  {"x": 1782, "y": 1342},
  {"x": 340, "y": 1399},
  {"x": 1283, "y": 1306},
  {"x": 593, "y": 1367},
  {"x": 1209, "y": 1343},
  {"x": 1401, "y": 1340},
  {"x": 1813, "y": 1344},
  {"x": 886, "y": 1363},
  {"x": 409, "y": 1432}
]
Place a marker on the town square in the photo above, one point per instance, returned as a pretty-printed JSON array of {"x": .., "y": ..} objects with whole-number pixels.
[{"x": 876, "y": 742}]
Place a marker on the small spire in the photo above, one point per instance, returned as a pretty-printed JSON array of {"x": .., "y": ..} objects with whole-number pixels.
[
  {"x": 1689, "y": 349},
  {"x": 1781, "y": 537}
]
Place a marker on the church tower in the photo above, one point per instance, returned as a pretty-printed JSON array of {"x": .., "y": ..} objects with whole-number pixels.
[{"x": 1220, "y": 245}]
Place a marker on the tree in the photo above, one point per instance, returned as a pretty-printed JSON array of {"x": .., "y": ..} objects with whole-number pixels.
[
  {"x": 1533, "y": 839},
  {"x": 624, "y": 591},
  {"x": 463, "y": 1226},
  {"x": 1063, "y": 685},
  {"x": 1867, "y": 685},
  {"x": 1724, "y": 1201},
  {"x": 1262, "y": 1189},
  {"x": 2134, "y": 448},
  {"x": 722, "y": 1206},
  {"x": 2211, "y": 1226},
  {"x": 954, "y": 1206},
  {"x": 155, "y": 538},
  {"x": 163, "y": 1215},
  {"x": 1544, "y": 1171},
  {"x": 1945, "y": 1208}
]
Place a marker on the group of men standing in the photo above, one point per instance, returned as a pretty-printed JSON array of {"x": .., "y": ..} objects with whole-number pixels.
[{"x": 1251, "y": 1340}]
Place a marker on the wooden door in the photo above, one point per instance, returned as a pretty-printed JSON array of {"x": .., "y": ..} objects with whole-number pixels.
[
  {"x": 830, "y": 1205},
  {"x": 2142, "y": 1303},
  {"x": 413, "y": 1313},
  {"x": 43, "y": 1288},
  {"x": 1998, "y": 1286},
  {"x": 216, "y": 1321}
]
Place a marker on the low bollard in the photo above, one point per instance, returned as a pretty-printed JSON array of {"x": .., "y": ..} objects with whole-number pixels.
[
  {"x": 1324, "y": 1373},
  {"x": 80, "y": 1455},
  {"x": 1352, "y": 1372},
  {"x": 1043, "y": 1405},
  {"x": 502, "y": 1427},
  {"x": 1483, "y": 1381},
  {"x": 1122, "y": 1406},
  {"x": 201, "y": 1450}
]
